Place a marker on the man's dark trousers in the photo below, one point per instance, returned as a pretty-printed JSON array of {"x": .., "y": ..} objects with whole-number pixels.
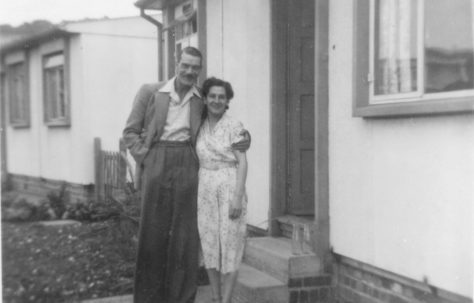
[{"x": 167, "y": 258}]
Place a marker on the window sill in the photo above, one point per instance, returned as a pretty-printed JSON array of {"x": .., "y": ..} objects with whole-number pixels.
[
  {"x": 58, "y": 123},
  {"x": 416, "y": 108},
  {"x": 20, "y": 125}
]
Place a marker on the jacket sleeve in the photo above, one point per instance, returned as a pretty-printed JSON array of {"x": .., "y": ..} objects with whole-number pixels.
[{"x": 134, "y": 131}]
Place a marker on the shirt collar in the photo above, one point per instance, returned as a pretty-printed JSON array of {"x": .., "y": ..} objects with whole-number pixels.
[{"x": 169, "y": 88}]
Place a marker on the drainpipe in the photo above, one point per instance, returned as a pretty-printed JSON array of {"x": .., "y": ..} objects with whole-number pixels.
[{"x": 159, "y": 26}]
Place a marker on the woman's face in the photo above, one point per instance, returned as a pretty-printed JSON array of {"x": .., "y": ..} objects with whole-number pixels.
[{"x": 216, "y": 101}]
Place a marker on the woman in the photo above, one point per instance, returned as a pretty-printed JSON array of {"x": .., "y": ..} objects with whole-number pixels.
[{"x": 221, "y": 195}]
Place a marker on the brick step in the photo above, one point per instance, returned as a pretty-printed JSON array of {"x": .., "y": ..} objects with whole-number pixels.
[
  {"x": 274, "y": 256},
  {"x": 254, "y": 286}
]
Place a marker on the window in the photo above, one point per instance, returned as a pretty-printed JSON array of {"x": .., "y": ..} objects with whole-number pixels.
[
  {"x": 17, "y": 90},
  {"x": 55, "y": 90},
  {"x": 181, "y": 25},
  {"x": 186, "y": 28},
  {"x": 408, "y": 61},
  {"x": 185, "y": 35}
]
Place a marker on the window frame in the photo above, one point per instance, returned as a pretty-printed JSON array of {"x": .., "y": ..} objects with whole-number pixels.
[
  {"x": 175, "y": 16},
  {"x": 56, "y": 48},
  {"x": 12, "y": 60},
  {"x": 430, "y": 104}
]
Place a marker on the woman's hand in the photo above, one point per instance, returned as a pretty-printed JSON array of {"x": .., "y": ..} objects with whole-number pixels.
[{"x": 235, "y": 208}]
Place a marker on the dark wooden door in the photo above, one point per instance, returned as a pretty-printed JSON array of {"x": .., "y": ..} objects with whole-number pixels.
[
  {"x": 3, "y": 135},
  {"x": 301, "y": 108}
]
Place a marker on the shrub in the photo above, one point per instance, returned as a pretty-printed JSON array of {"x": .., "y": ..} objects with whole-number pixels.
[
  {"x": 125, "y": 218},
  {"x": 112, "y": 208},
  {"x": 42, "y": 211},
  {"x": 81, "y": 211},
  {"x": 23, "y": 210},
  {"x": 58, "y": 200},
  {"x": 7, "y": 199}
]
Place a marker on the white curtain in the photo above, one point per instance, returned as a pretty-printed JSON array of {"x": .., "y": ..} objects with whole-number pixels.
[
  {"x": 472, "y": 20},
  {"x": 394, "y": 61}
]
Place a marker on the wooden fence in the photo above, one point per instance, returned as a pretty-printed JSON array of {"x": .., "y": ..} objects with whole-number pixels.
[{"x": 110, "y": 171}]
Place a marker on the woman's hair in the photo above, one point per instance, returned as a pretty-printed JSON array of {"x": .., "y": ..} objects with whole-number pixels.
[{"x": 210, "y": 82}]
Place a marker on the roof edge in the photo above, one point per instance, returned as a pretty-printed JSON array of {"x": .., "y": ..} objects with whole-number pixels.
[
  {"x": 32, "y": 41},
  {"x": 157, "y": 4}
]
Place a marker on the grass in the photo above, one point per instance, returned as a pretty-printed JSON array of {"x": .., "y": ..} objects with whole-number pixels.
[{"x": 65, "y": 263}]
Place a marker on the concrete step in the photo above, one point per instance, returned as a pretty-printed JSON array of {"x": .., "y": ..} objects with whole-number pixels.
[
  {"x": 274, "y": 256},
  {"x": 254, "y": 286},
  {"x": 286, "y": 223},
  {"x": 203, "y": 296}
]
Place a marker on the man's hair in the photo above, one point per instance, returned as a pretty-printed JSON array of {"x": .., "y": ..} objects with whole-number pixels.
[
  {"x": 190, "y": 50},
  {"x": 210, "y": 82}
]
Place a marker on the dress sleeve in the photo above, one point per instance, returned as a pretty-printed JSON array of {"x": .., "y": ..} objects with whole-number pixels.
[{"x": 235, "y": 128}]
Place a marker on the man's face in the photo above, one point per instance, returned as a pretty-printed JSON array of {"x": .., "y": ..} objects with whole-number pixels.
[{"x": 188, "y": 70}]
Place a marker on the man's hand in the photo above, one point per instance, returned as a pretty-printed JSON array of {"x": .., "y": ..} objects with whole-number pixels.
[{"x": 244, "y": 144}]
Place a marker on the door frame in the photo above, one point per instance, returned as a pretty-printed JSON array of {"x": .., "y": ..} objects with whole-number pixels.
[
  {"x": 3, "y": 130},
  {"x": 279, "y": 133}
]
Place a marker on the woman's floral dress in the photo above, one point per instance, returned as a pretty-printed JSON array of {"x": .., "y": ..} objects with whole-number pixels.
[{"x": 222, "y": 239}]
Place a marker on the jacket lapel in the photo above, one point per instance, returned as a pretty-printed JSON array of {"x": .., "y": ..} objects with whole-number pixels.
[
  {"x": 159, "y": 119},
  {"x": 195, "y": 116}
]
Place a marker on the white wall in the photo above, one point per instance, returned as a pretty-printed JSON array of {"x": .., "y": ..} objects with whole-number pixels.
[
  {"x": 106, "y": 72},
  {"x": 22, "y": 141},
  {"x": 238, "y": 50},
  {"x": 60, "y": 159},
  {"x": 114, "y": 69},
  {"x": 42, "y": 151},
  {"x": 401, "y": 190}
]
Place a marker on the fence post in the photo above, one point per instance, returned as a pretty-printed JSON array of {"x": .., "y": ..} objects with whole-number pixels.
[{"x": 98, "y": 169}]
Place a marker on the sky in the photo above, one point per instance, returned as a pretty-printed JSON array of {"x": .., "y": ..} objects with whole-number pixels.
[{"x": 16, "y": 12}]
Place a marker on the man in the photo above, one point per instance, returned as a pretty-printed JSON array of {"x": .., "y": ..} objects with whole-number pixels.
[{"x": 160, "y": 134}]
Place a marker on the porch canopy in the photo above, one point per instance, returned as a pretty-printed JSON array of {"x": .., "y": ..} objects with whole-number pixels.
[{"x": 157, "y": 4}]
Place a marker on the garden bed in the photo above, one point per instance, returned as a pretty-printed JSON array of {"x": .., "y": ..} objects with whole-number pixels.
[
  {"x": 49, "y": 261},
  {"x": 65, "y": 263}
]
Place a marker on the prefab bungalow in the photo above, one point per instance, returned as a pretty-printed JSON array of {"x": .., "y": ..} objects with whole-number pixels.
[
  {"x": 62, "y": 89},
  {"x": 362, "y": 132}
]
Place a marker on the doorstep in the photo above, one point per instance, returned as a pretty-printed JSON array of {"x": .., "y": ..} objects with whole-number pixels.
[
  {"x": 117, "y": 299},
  {"x": 203, "y": 295}
]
